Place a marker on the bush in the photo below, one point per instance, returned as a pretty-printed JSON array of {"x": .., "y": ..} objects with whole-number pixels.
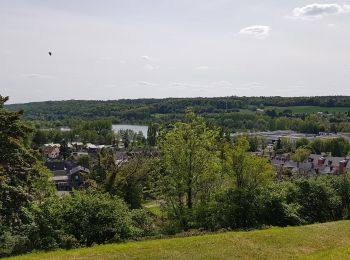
[
  {"x": 96, "y": 218},
  {"x": 143, "y": 223},
  {"x": 318, "y": 199},
  {"x": 279, "y": 207},
  {"x": 11, "y": 243},
  {"x": 82, "y": 219}
]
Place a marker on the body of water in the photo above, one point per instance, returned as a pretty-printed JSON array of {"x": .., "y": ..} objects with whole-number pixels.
[{"x": 135, "y": 128}]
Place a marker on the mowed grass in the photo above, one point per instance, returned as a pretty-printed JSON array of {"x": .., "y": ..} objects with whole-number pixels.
[
  {"x": 311, "y": 109},
  {"x": 312, "y": 241},
  {"x": 338, "y": 253}
]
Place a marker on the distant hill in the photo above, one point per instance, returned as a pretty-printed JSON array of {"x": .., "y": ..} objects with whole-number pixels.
[
  {"x": 313, "y": 241},
  {"x": 135, "y": 110}
]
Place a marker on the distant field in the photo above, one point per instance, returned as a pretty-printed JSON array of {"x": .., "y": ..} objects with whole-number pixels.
[
  {"x": 313, "y": 241},
  {"x": 311, "y": 109}
]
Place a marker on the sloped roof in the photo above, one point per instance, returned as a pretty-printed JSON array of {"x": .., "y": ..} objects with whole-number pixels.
[
  {"x": 79, "y": 168},
  {"x": 60, "y": 178}
]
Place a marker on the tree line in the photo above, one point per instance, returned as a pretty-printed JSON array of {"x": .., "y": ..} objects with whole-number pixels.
[{"x": 234, "y": 113}]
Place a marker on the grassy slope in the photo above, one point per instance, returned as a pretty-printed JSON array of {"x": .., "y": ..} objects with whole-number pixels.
[
  {"x": 317, "y": 240},
  {"x": 337, "y": 253}
]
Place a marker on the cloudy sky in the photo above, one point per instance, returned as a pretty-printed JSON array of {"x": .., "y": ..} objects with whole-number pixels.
[{"x": 112, "y": 49}]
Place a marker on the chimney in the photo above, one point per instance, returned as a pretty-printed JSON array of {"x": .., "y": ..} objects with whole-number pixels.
[
  {"x": 321, "y": 160},
  {"x": 342, "y": 165}
]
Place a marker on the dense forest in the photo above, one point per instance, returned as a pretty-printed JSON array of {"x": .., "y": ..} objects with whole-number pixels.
[
  {"x": 144, "y": 109},
  {"x": 233, "y": 113}
]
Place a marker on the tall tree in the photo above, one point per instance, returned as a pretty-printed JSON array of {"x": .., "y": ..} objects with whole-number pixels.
[
  {"x": 152, "y": 135},
  {"x": 190, "y": 162},
  {"x": 248, "y": 171},
  {"x": 300, "y": 155},
  {"x": 64, "y": 150},
  {"x": 22, "y": 180},
  {"x": 104, "y": 170}
]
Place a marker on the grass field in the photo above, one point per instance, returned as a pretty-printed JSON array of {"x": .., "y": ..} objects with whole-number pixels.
[
  {"x": 338, "y": 253},
  {"x": 310, "y": 109},
  {"x": 306, "y": 242},
  {"x": 153, "y": 207}
]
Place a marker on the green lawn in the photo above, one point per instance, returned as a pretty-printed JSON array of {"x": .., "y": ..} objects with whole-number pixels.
[
  {"x": 338, "y": 253},
  {"x": 154, "y": 207},
  {"x": 313, "y": 241},
  {"x": 310, "y": 109}
]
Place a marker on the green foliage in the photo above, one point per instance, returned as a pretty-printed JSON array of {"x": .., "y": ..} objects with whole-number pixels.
[
  {"x": 84, "y": 218},
  {"x": 302, "y": 142},
  {"x": 104, "y": 170},
  {"x": 201, "y": 180},
  {"x": 235, "y": 113},
  {"x": 143, "y": 223},
  {"x": 318, "y": 146},
  {"x": 318, "y": 200},
  {"x": 84, "y": 161},
  {"x": 136, "y": 180},
  {"x": 131, "y": 138},
  {"x": 65, "y": 151},
  {"x": 247, "y": 171},
  {"x": 338, "y": 147},
  {"x": 152, "y": 135},
  {"x": 278, "y": 205},
  {"x": 19, "y": 174},
  {"x": 23, "y": 181},
  {"x": 301, "y": 154},
  {"x": 190, "y": 166}
]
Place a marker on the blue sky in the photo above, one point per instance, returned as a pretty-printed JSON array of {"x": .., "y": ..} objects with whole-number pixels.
[{"x": 183, "y": 48}]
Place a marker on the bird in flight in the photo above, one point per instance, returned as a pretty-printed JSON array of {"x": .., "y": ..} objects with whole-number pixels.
[{"x": 50, "y": 53}]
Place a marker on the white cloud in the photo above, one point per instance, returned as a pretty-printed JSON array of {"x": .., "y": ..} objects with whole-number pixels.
[
  {"x": 252, "y": 85},
  {"x": 147, "y": 84},
  {"x": 314, "y": 11},
  {"x": 36, "y": 76},
  {"x": 104, "y": 59},
  {"x": 150, "y": 67},
  {"x": 192, "y": 86},
  {"x": 202, "y": 68},
  {"x": 146, "y": 58},
  {"x": 110, "y": 86},
  {"x": 222, "y": 84},
  {"x": 257, "y": 31},
  {"x": 347, "y": 68}
]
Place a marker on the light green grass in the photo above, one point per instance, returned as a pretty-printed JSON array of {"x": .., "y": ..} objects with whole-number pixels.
[
  {"x": 154, "y": 207},
  {"x": 337, "y": 253},
  {"x": 311, "y": 109},
  {"x": 275, "y": 243}
]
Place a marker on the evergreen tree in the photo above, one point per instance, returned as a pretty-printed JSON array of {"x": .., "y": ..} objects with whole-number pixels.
[
  {"x": 22, "y": 179},
  {"x": 152, "y": 135},
  {"x": 64, "y": 150}
]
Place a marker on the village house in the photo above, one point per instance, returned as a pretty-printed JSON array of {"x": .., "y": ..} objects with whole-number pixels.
[
  {"x": 77, "y": 146},
  {"x": 51, "y": 151},
  {"x": 67, "y": 175},
  {"x": 314, "y": 165}
]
